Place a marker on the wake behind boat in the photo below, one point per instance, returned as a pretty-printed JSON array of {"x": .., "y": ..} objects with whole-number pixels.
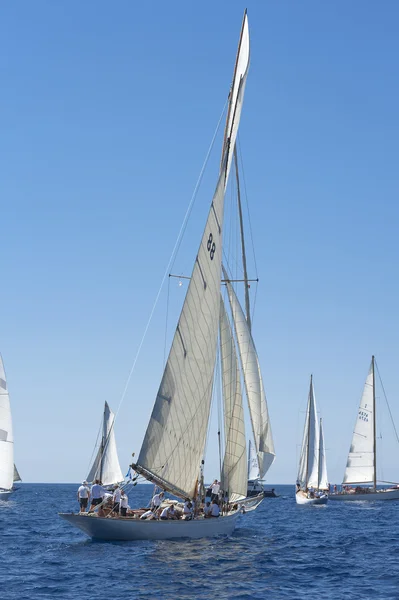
[
  {"x": 361, "y": 467},
  {"x": 312, "y": 480},
  {"x": 173, "y": 451},
  {"x": 6, "y": 439}
]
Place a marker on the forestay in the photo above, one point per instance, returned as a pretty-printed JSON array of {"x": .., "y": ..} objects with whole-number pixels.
[
  {"x": 174, "y": 442},
  {"x": 322, "y": 478},
  {"x": 234, "y": 470},
  {"x": 308, "y": 474},
  {"x": 360, "y": 465},
  {"x": 6, "y": 435},
  {"x": 106, "y": 464},
  {"x": 253, "y": 385}
]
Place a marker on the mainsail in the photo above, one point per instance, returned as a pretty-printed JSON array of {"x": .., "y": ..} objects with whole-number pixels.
[
  {"x": 106, "y": 464},
  {"x": 253, "y": 385},
  {"x": 234, "y": 471},
  {"x": 174, "y": 442},
  {"x": 308, "y": 474},
  {"x": 253, "y": 467},
  {"x": 6, "y": 436},
  {"x": 17, "y": 476},
  {"x": 360, "y": 467},
  {"x": 322, "y": 477}
]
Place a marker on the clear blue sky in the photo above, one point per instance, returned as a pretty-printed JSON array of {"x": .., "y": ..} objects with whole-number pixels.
[{"x": 106, "y": 114}]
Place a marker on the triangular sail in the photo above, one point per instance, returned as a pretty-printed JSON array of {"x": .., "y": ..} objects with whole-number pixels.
[
  {"x": 323, "y": 478},
  {"x": 361, "y": 459},
  {"x": 253, "y": 467},
  {"x": 234, "y": 470},
  {"x": 106, "y": 464},
  {"x": 17, "y": 476},
  {"x": 253, "y": 385},
  {"x": 6, "y": 435},
  {"x": 174, "y": 442},
  {"x": 309, "y": 460}
]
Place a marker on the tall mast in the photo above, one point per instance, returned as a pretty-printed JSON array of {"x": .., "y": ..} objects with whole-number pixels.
[
  {"x": 244, "y": 258},
  {"x": 318, "y": 466},
  {"x": 103, "y": 442},
  {"x": 374, "y": 429},
  {"x": 307, "y": 453}
]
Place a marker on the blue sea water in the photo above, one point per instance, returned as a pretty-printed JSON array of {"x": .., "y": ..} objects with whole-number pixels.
[{"x": 281, "y": 550}]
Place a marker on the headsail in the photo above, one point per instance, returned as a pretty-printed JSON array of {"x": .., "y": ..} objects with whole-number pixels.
[
  {"x": 361, "y": 460},
  {"x": 308, "y": 474},
  {"x": 234, "y": 471},
  {"x": 322, "y": 477},
  {"x": 106, "y": 464},
  {"x": 253, "y": 385},
  {"x": 6, "y": 435},
  {"x": 174, "y": 443},
  {"x": 253, "y": 467},
  {"x": 17, "y": 476}
]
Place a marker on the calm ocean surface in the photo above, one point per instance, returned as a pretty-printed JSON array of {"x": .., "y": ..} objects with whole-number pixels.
[{"x": 343, "y": 550}]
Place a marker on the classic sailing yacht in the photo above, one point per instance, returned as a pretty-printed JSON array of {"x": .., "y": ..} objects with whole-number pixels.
[
  {"x": 255, "y": 486},
  {"x": 17, "y": 476},
  {"x": 361, "y": 467},
  {"x": 312, "y": 474},
  {"x": 172, "y": 453},
  {"x": 106, "y": 466},
  {"x": 6, "y": 439}
]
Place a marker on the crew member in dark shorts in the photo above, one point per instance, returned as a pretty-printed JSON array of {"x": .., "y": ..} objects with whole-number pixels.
[
  {"x": 97, "y": 494},
  {"x": 83, "y": 496},
  {"x": 123, "y": 504}
]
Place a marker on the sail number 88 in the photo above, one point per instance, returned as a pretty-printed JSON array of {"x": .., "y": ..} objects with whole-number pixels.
[{"x": 211, "y": 246}]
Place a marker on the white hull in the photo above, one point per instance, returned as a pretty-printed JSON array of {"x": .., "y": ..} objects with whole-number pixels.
[
  {"x": 388, "y": 494},
  {"x": 301, "y": 498},
  {"x": 5, "y": 495},
  {"x": 136, "y": 529}
]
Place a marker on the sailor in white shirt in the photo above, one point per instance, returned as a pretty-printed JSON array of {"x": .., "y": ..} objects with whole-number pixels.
[
  {"x": 116, "y": 498},
  {"x": 83, "y": 496},
  {"x": 168, "y": 513},
  {"x": 207, "y": 510},
  {"x": 97, "y": 494},
  {"x": 149, "y": 514},
  {"x": 188, "y": 510},
  {"x": 215, "y": 510},
  {"x": 157, "y": 500},
  {"x": 124, "y": 504},
  {"x": 215, "y": 489}
]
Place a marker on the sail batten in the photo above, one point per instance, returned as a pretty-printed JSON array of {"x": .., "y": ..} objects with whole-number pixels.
[
  {"x": 234, "y": 471},
  {"x": 253, "y": 382},
  {"x": 174, "y": 442},
  {"x": 6, "y": 434}
]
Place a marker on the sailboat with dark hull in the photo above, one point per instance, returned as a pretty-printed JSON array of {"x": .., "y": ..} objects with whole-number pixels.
[
  {"x": 172, "y": 453},
  {"x": 361, "y": 467}
]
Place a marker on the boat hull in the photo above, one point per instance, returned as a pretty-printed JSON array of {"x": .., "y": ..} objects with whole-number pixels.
[
  {"x": 367, "y": 497},
  {"x": 301, "y": 498},
  {"x": 4, "y": 495},
  {"x": 136, "y": 529}
]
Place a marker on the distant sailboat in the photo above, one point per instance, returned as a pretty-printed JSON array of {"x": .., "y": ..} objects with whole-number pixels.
[
  {"x": 106, "y": 466},
  {"x": 17, "y": 476},
  {"x": 312, "y": 482},
  {"x": 6, "y": 439},
  {"x": 172, "y": 453},
  {"x": 361, "y": 467}
]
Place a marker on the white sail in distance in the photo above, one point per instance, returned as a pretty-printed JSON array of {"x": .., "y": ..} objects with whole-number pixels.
[
  {"x": 174, "y": 442},
  {"x": 360, "y": 464},
  {"x": 106, "y": 464},
  {"x": 253, "y": 467},
  {"x": 6, "y": 435},
  {"x": 234, "y": 470},
  {"x": 17, "y": 476},
  {"x": 253, "y": 385},
  {"x": 308, "y": 474},
  {"x": 323, "y": 477}
]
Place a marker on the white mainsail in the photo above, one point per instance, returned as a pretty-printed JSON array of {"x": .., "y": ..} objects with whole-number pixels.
[
  {"x": 253, "y": 467},
  {"x": 174, "y": 442},
  {"x": 234, "y": 470},
  {"x": 361, "y": 459},
  {"x": 322, "y": 477},
  {"x": 17, "y": 476},
  {"x": 308, "y": 473},
  {"x": 253, "y": 385},
  {"x": 6, "y": 435},
  {"x": 106, "y": 464}
]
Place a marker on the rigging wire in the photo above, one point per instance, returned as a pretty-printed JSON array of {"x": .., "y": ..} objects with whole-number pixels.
[
  {"x": 386, "y": 400},
  {"x": 171, "y": 260},
  {"x": 94, "y": 449}
]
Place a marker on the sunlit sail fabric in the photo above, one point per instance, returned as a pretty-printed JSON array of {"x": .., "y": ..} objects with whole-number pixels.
[
  {"x": 174, "y": 442},
  {"x": 106, "y": 464},
  {"x": 253, "y": 467},
  {"x": 253, "y": 385},
  {"x": 360, "y": 465},
  {"x": 6, "y": 435},
  {"x": 234, "y": 470},
  {"x": 308, "y": 473},
  {"x": 17, "y": 476},
  {"x": 323, "y": 477}
]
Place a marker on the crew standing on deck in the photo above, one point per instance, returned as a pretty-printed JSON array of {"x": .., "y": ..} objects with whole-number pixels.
[{"x": 83, "y": 496}]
